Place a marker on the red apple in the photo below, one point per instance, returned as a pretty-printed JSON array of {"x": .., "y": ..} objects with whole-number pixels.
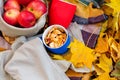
[
  {"x": 11, "y": 16},
  {"x": 26, "y": 19},
  {"x": 24, "y": 2},
  {"x": 37, "y": 7},
  {"x": 11, "y": 4}
]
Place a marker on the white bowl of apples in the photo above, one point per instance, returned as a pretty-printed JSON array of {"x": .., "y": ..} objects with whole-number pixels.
[{"x": 22, "y": 17}]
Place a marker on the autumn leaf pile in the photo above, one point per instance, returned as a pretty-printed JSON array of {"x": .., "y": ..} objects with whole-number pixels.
[{"x": 105, "y": 58}]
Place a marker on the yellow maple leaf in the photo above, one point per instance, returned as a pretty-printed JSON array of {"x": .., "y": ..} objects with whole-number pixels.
[
  {"x": 105, "y": 63},
  {"x": 104, "y": 76},
  {"x": 81, "y": 54},
  {"x": 115, "y": 5},
  {"x": 107, "y": 10},
  {"x": 65, "y": 56},
  {"x": 113, "y": 44},
  {"x": 102, "y": 40},
  {"x": 115, "y": 21},
  {"x": 114, "y": 49},
  {"x": 57, "y": 57},
  {"x": 104, "y": 26},
  {"x": 98, "y": 70},
  {"x": 117, "y": 35}
]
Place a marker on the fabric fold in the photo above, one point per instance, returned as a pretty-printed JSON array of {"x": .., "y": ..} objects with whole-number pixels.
[{"x": 32, "y": 59}]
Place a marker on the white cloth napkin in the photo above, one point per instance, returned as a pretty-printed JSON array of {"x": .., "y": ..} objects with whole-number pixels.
[
  {"x": 31, "y": 62},
  {"x": 28, "y": 60}
]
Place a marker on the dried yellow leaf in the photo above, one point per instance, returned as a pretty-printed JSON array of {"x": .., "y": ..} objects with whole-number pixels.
[
  {"x": 117, "y": 35},
  {"x": 107, "y": 10},
  {"x": 65, "y": 56},
  {"x": 81, "y": 54},
  {"x": 102, "y": 43},
  {"x": 104, "y": 26},
  {"x": 10, "y": 40},
  {"x": 105, "y": 63},
  {"x": 115, "y": 21},
  {"x": 113, "y": 44},
  {"x": 57, "y": 57},
  {"x": 104, "y": 76},
  {"x": 87, "y": 76},
  {"x": 98, "y": 70},
  {"x": 114, "y": 49},
  {"x": 115, "y": 5}
]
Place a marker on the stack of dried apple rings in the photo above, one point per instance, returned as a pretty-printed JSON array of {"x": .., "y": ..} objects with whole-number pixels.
[{"x": 56, "y": 37}]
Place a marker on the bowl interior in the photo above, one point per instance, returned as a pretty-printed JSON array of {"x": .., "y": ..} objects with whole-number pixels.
[{"x": 47, "y": 31}]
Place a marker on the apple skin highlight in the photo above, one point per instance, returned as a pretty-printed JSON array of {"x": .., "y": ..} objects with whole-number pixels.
[
  {"x": 11, "y": 16},
  {"x": 38, "y": 8},
  {"x": 11, "y": 4}
]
